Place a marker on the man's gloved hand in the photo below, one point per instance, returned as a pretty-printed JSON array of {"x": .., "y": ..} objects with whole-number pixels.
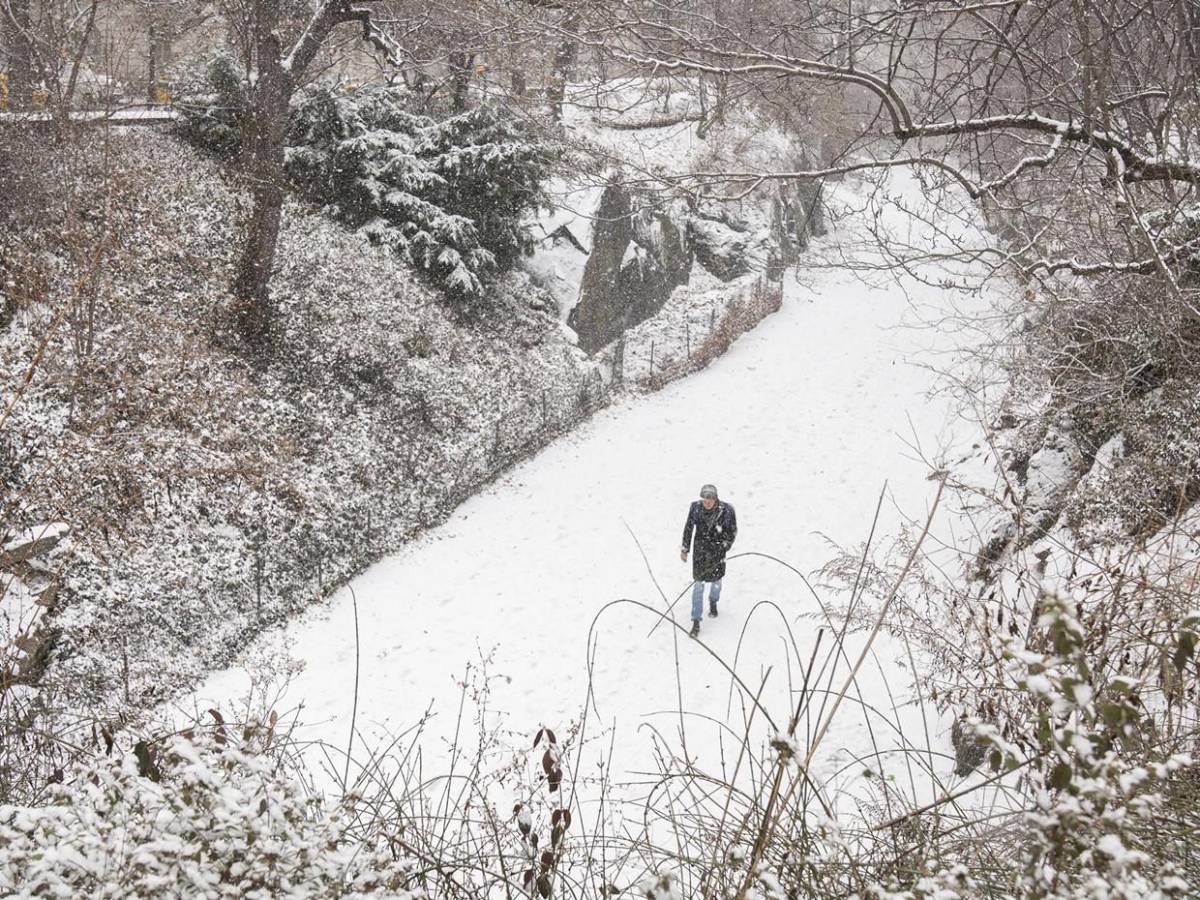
[{"x": 683, "y": 555}]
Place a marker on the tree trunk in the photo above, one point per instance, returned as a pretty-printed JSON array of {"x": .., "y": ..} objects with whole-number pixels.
[
  {"x": 460, "y": 79},
  {"x": 152, "y": 61},
  {"x": 262, "y": 164},
  {"x": 64, "y": 94},
  {"x": 1189, "y": 22},
  {"x": 264, "y": 133},
  {"x": 562, "y": 70},
  {"x": 20, "y": 76},
  {"x": 253, "y": 306}
]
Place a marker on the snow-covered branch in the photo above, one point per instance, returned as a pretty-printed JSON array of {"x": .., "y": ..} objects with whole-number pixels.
[
  {"x": 1139, "y": 166},
  {"x": 1029, "y": 162},
  {"x": 327, "y": 17},
  {"x": 798, "y": 68},
  {"x": 1076, "y": 266}
]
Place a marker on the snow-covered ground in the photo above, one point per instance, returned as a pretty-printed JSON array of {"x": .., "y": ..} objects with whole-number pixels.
[{"x": 799, "y": 425}]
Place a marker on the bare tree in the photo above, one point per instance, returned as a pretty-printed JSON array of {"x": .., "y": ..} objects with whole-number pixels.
[
  {"x": 16, "y": 31},
  {"x": 50, "y": 40},
  {"x": 165, "y": 22}
]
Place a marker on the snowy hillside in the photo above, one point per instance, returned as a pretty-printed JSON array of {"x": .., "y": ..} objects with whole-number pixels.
[
  {"x": 244, "y": 494},
  {"x": 204, "y": 497}
]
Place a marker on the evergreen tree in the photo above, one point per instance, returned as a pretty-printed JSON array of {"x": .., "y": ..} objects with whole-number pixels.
[{"x": 448, "y": 196}]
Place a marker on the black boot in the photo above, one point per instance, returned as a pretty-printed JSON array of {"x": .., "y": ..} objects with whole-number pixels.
[
  {"x": 712, "y": 609},
  {"x": 695, "y": 628}
]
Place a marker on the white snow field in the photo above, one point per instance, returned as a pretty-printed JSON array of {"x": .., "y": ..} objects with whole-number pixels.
[{"x": 799, "y": 426}]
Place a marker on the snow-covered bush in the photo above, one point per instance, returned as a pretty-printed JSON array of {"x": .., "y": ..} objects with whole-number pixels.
[
  {"x": 447, "y": 196},
  {"x": 1072, "y": 680},
  {"x": 213, "y": 105},
  {"x": 1097, "y": 789},
  {"x": 492, "y": 167},
  {"x": 196, "y": 817},
  {"x": 1153, "y": 473}
]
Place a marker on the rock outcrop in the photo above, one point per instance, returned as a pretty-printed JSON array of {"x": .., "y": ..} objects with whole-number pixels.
[
  {"x": 642, "y": 249},
  {"x": 639, "y": 255}
]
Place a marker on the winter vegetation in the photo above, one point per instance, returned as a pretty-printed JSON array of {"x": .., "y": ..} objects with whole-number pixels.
[{"x": 359, "y": 358}]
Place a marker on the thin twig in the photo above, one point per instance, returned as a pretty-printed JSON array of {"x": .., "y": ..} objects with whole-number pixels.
[{"x": 354, "y": 708}]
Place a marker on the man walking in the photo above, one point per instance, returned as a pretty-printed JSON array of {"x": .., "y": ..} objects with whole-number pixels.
[{"x": 715, "y": 526}]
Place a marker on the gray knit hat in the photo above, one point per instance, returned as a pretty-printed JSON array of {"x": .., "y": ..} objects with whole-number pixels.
[{"x": 709, "y": 490}]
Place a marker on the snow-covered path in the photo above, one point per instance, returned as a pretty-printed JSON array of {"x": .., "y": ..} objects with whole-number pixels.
[{"x": 799, "y": 425}]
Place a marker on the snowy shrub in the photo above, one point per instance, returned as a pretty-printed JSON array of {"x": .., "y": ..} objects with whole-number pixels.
[
  {"x": 193, "y": 817},
  {"x": 492, "y": 167},
  {"x": 1156, "y": 474},
  {"x": 694, "y": 327},
  {"x": 448, "y": 197},
  {"x": 738, "y": 317},
  {"x": 213, "y": 105},
  {"x": 659, "y": 887},
  {"x": 1073, "y": 675},
  {"x": 1094, "y": 804}
]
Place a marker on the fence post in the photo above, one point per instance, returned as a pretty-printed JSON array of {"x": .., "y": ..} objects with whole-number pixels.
[
  {"x": 687, "y": 338},
  {"x": 652, "y": 359},
  {"x": 543, "y": 409},
  {"x": 712, "y": 315},
  {"x": 618, "y": 367}
]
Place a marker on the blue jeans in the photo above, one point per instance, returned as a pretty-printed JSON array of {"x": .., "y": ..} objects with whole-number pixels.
[{"x": 714, "y": 594}]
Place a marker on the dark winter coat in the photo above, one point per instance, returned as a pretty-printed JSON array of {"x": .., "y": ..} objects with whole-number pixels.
[{"x": 715, "y": 530}]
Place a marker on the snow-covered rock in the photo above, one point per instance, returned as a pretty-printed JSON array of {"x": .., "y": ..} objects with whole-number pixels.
[
  {"x": 616, "y": 247},
  {"x": 1053, "y": 471},
  {"x": 637, "y": 258}
]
